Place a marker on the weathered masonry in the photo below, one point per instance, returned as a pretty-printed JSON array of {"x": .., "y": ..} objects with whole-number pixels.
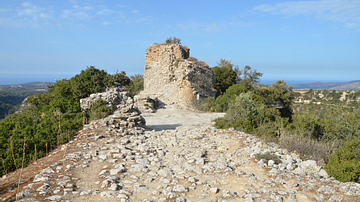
[{"x": 174, "y": 78}]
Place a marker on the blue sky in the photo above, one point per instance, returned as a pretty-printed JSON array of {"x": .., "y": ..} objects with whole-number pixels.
[{"x": 317, "y": 40}]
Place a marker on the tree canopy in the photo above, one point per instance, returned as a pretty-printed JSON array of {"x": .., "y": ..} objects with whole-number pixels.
[
  {"x": 227, "y": 74},
  {"x": 136, "y": 85},
  {"x": 54, "y": 117},
  {"x": 225, "y": 77}
]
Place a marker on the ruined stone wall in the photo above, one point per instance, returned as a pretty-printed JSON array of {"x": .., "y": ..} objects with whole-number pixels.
[
  {"x": 175, "y": 79},
  {"x": 117, "y": 98}
]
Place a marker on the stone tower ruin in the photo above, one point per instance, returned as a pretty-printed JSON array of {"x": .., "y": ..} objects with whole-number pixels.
[{"x": 174, "y": 78}]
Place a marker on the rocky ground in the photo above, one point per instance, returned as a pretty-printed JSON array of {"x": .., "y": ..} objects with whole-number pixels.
[{"x": 178, "y": 157}]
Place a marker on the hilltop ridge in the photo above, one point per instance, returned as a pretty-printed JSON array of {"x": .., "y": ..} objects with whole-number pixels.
[
  {"x": 349, "y": 85},
  {"x": 179, "y": 156}
]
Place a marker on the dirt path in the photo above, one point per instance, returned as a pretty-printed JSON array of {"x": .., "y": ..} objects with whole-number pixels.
[
  {"x": 179, "y": 158},
  {"x": 171, "y": 119}
]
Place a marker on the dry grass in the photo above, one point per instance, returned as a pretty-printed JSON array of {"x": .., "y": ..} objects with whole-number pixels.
[
  {"x": 193, "y": 59},
  {"x": 307, "y": 148},
  {"x": 185, "y": 48}
]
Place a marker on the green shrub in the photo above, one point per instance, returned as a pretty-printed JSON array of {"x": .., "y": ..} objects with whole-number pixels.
[
  {"x": 176, "y": 63},
  {"x": 268, "y": 156},
  {"x": 340, "y": 124},
  {"x": 174, "y": 40},
  {"x": 270, "y": 124},
  {"x": 225, "y": 77},
  {"x": 327, "y": 124},
  {"x": 99, "y": 110},
  {"x": 207, "y": 104},
  {"x": 222, "y": 102},
  {"x": 242, "y": 114},
  {"x": 249, "y": 113},
  {"x": 136, "y": 85},
  {"x": 344, "y": 164},
  {"x": 306, "y": 125}
]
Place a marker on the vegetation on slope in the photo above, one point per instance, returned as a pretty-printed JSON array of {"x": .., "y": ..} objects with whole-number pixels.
[
  {"x": 325, "y": 127},
  {"x": 12, "y": 96},
  {"x": 10, "y": 101},
  {"x": 136, "y": 85},
  {"x": 53, "y": 118},
  {"x": 319, "y": 99}
]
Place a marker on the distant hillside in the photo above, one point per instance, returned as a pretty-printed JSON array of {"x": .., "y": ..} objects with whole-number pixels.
[
  {"x": 12, "y": 96},
  {"x": 349, "y": 98},
  {"x": 354, "y": 86},
  {"x": 31, "y": 86},
  {"x": 329, "y": 85},
  {"x": 35, "y": 83}
]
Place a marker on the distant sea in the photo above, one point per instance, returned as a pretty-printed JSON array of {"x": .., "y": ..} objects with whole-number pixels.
[
  {"x": 23, "y": 78},
  {"x": 19, "y": 79},
  {"x": 298, "y": 81}
]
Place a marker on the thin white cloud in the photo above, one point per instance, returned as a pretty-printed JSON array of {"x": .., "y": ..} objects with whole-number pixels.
[
  {"x": 352, "y": 26},
  {"x": 140, "y": 20},
  {"x": 29, "y": 9},
  {"x": 3, "y": 10},
  {"x": 346, "y": 12},
  {"x": 86, "y": 8},
  {"x": 77, "y": 12},
  {"x": 6, "y": 22},
  {"x": 240, "y": 24},
  {"x": 33, "y": 11},
  {"x": 28, "y": 14},
  {"x": 197, "y": 27},
  {"x": 105, "y": 12},
  {"x": 73, "y": 1},
  {"x": 106, "y": 23},
  {"x": 79, "y": 15}
]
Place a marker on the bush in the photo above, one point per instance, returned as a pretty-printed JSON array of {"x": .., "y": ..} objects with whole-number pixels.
[
  {"x": 271, "y": 125},
  {"x": 344, "y": 164},
  {"x": 99, "y": 110},
  {"x": 249, "y": 113},
  {"x": 267, "y": 156},
  {"x": 327, "y": 125},
  {"x": 340, "y": 124},
  {"x": 136, "y": 85},
  {"x": 306, "y": 125},
  {"x": 223, "y": 101},
  {"x": 224, "y": 78},
  {"x": 241, "y": 115},
  {"x": 206, "y": 104},
  {"x": 173, "y": 40}
]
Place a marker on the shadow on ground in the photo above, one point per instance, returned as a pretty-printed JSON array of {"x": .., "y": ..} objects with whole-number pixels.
[{"x": 163, "y": 127}]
